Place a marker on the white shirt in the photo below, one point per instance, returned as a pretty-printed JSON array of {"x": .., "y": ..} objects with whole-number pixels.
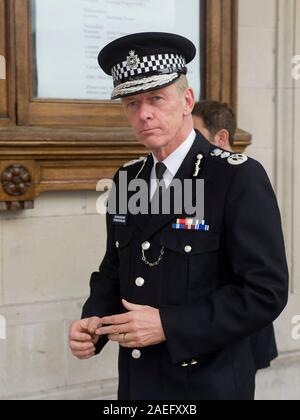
[{"x": 173, "y": 162}]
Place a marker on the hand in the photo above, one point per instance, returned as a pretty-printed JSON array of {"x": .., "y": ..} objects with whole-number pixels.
[
  {"x": 140, "y": 327},
  {"x": 82, "y": 338}
]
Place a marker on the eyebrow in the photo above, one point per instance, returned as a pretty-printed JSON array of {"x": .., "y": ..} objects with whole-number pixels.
[
  {"x": 134, "y": 98},
  {"x": 129, "y": 98}
]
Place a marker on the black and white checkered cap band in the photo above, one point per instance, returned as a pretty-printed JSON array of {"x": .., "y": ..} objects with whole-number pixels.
[{"x": 161, "y": 63}]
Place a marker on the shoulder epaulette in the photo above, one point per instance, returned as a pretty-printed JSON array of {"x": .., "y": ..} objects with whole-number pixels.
[
  {"x": 234, "y": 159},
  {"x": 133, "y": 162}
]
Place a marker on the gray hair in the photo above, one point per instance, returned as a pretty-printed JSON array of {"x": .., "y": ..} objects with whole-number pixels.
[{"x": 182, "y": 84}]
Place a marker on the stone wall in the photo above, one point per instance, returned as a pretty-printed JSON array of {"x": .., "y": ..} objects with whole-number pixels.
[
  {"x": 256, "y": 83},
  {"x": 47, "y": 255},
  {"x": 269, "y": 107}
]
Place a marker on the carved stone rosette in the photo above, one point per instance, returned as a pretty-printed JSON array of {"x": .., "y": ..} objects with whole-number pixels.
[{"x": 16, "y": 180}]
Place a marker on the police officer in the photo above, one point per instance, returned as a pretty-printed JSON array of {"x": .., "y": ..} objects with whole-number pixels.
[{"x": 181, "y": 295}]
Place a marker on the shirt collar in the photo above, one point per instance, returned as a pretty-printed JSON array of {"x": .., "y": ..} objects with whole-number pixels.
[{"x": 174, "y": 161}]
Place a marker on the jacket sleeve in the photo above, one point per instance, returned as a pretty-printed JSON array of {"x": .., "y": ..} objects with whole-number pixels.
[
  {"x": 104, "y": 299},
  {"x": 258, "y": 291}
]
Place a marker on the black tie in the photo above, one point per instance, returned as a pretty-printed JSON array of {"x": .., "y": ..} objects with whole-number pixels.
[{"x": 160, "y": 169}]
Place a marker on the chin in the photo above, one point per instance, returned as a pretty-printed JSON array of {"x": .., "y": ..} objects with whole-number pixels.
[{"x": 153, "y": 143}]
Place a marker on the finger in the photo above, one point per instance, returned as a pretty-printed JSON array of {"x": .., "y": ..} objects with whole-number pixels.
[
  {"x": 80, "y": 351},
  {"x": 116, "y": 319},
  {"x": 84, "y": 355},
  {"x": 121, "y": 338},
  {"x": 132, "y": 306},
  {"x": 75, "y": 328},
  {"x": 115, "y": 337},
  {"x": 113, "y": 329},
  {"x": 77, "y": 336},
  {"x": 77, "y": 346},
  {"x": 95, "y": 339},
  {"x": 83, "y": 324},
  {"x": 92, "y": 325}
]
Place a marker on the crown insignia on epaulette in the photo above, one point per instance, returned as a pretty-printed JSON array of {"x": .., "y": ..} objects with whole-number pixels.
[{"x": 232, "y": 159}]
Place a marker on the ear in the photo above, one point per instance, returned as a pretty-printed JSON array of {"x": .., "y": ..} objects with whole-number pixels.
[
  {"x": 189, "y": 101},
  {"x": 222, "y": 139}
]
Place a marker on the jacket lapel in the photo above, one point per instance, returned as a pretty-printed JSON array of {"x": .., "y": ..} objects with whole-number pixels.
[{"x": 140, "y": 219}]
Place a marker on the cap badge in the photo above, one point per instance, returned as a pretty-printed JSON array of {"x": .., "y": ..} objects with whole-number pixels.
[{"x": 133, "y": 60}]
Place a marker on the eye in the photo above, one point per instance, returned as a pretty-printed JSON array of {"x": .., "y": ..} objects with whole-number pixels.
[
  {"x": 157, "y": 98},
  {"x": 130, "y": 104}
]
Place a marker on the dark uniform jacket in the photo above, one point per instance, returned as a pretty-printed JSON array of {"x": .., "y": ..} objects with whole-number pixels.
[
  {"x": 214, "y": 289},
  {"x": 264, "y": 347}
]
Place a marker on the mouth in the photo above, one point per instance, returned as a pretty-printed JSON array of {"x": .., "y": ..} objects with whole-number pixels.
[{"x": 149, "y": 130}]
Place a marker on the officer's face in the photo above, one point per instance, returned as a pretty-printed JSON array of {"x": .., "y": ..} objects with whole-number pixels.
[{"x": 159, "y": 118}]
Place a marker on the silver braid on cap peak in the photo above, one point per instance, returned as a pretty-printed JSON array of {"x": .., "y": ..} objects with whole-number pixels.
[{"x": 144, "y": 84}]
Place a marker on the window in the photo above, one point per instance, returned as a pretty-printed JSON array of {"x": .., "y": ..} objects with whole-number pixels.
[
  {"x": 58, "y": 124},
  {"x": 65, "y": 54}
]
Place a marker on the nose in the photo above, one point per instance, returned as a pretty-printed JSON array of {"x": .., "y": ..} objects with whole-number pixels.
[{"x": 145, "y": 112}]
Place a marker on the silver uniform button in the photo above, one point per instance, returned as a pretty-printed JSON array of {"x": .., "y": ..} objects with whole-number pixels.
[
  {"x": 188, "y": 249},
  {"x": 140, "y": 282},
  {"x": 117, "y": 244},
  {"x": 146, "y": 246},
  {"x": 184, "y": 364},
  {"x": 136, "y": 354}
]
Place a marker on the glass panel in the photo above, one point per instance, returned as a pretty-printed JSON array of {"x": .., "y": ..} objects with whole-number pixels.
[{"x": 68, "y": 35}]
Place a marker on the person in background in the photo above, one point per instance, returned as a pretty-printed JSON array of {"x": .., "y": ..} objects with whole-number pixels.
[{"x": 216, "y": 121}]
